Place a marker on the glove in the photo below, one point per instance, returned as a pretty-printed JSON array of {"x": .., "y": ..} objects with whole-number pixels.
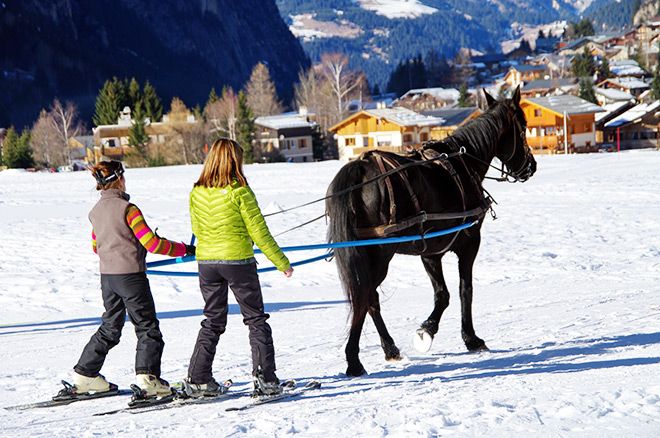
[{"x": 190, "y": 250}]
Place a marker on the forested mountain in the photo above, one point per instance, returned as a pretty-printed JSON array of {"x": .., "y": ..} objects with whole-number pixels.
[
  {"x": 377, "y": 35},
  {"x": 67, "y": 48}
]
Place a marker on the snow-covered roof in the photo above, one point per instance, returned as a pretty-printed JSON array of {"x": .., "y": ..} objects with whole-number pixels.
[
  {"x": 284, "y": 121},
  {"x": 437, "y": 92},
  {"x": 566, "y": 103},
  {"x": 452, "y": 116},
  {"x": 631, "y": 83},
  {"x": 609, "y": 109},
  {"x": 542, "y": 84},
  {"x": 627, "y": 70},
  {"x": 613, "y": 94},
  {"x": 404, "y": 117},
  {"x": 633, "y": 114}
]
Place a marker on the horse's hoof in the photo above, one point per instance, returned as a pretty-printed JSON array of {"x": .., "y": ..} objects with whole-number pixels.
[
  {"x": 477, "y": 346},
  {"x": 392, "y": 354},
  {"x": 355, "y": 371},
  {"x": 422, "y": 340}
]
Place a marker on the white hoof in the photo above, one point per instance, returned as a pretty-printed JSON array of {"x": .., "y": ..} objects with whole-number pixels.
[{"x": 422, "y": 340}]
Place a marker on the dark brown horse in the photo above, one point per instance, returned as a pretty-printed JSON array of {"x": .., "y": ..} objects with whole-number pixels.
[{"x": 449, "y": 184}]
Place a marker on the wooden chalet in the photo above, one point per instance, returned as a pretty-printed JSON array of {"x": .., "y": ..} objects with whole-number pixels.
[
  {"x": 290, "y": 135},
  {"x": 635, "y": 128},
  {"x": 546, "y": 117},
  {"x": 452, "y": 119},
  {"x": 631, "y": 86},
  {"x": 524, "y": 73}
]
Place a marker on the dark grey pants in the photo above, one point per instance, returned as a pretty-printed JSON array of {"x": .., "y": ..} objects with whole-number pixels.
[
  {"x": 244, "y": 282},
  {"x": 125, "y": 293}
]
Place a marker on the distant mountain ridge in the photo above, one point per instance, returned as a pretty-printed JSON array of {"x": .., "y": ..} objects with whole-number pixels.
[
  {"x": 67, "y": 48},
  {"x": 376, "y": 38}
]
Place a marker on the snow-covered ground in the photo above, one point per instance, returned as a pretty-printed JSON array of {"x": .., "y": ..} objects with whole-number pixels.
[{"x": 567, "y": 296}]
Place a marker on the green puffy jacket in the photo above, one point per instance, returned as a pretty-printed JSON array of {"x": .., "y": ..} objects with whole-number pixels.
[{"x": 226, "y": 220}]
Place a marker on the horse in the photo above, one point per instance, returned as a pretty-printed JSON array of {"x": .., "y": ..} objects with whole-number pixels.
[{"x": 366, "y": 199}]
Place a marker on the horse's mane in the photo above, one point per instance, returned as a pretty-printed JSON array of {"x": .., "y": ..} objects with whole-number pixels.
[{"x": 481, "y": 134}]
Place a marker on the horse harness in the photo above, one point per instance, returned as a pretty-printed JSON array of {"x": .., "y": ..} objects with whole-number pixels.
[{"x": 388, "y": 169}]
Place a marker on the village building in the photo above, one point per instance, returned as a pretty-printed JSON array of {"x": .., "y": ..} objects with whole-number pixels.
[
  {"x": 627, "y": 67},
  {"x": 606, "y": 96},
  {"x": 547, "y": 87},
  {"x": 112, "y": 141},
  {"x": 577, "y": 46},
  {"x": 395, "y": 129},
  {"x": 81, "y": 151},
  {"x": 635, "y": 128},
  {"x": 288, "y": 135},
  {"x": 421, "y": 99},
  {"x": 452, "y": 119},
  {"x": 524, "y": 73},
  {"x": 547, "y": 116},
  {"x": 632, "y": 86}
]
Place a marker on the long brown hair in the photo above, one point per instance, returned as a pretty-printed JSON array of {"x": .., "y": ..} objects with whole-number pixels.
[
  {"x": 105, "y": 169},
  {"x": 223, "y": 165}
]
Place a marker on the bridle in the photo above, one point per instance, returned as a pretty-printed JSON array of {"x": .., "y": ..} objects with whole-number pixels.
[{"x": 524, "y": 171}]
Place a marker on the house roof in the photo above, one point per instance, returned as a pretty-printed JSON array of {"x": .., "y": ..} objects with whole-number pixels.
[
  {"x": 626, "y": 67},
  {"x": 612, "y": 110},
  {"x": 565, "y": 103},
  {"x": 544, "y": 84},
  {"x": 284, "y": 121},
  {"x": 528, "y": 67},
  {"x": 452, "y": 116},
  {"x": 633, "y": 114},
  {"x": 437, "y": 92},
  {"x": 630, "y": 83},
  {"x": 397, "y": 115},
  {"x": 576, "y": 44},
  {"x": 613, "y": 94}
]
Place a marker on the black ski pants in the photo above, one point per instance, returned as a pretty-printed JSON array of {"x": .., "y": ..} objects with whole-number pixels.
[
  {"x": 214, "y": 280},
  {"x": 124, "y": 293}
]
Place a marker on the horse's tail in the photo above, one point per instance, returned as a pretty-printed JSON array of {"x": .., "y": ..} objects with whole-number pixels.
[{"x": 343, "y": 210}]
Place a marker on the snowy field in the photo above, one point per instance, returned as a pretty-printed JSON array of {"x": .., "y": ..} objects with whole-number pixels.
[{"x": 567, "y": 296}]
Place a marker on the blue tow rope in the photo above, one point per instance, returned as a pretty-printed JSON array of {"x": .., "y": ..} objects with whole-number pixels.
[{"x": 349, "y": 244}]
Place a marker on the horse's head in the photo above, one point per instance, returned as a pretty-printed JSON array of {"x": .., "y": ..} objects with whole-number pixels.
[{"x": 512, "y": 147}]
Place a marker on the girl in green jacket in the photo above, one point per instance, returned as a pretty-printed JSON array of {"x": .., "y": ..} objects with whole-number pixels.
[{"x": 227, "y": 221}]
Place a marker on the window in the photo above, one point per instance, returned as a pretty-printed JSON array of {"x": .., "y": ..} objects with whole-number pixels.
[
  {"x": 350, "y": 141},
  {"x": 537, "y": 113},
  {"x": 587, "y": 127},
  {"x": 424, "y": 136},
  {"x": 407, "y": 138},
  {"x": 304, "y": 159},
  {"x": 384, "y": 141},
  {"x": 302, "y": 143},
  {"x": 550, "y": 130},
  {"x": 112, "y": 143}
]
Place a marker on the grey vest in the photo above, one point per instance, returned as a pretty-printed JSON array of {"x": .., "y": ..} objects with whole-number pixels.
[{"x": 120, "y": 252}]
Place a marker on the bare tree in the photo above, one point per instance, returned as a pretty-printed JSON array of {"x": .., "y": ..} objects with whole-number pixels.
[
  {"x": 314, "y": 93},
  {"x": 261, "y": 94},
  {"x": 45, "y": 143},
  {"x": 64, "y": 119},
  {"x": 222, "y": 113},
  {"x": 341, "y": 79},
  {"x": 191, "y": 136}
]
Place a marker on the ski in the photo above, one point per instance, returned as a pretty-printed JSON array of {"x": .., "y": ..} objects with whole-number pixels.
[
  {"x": 178, "y": 398},
  {"x": 286, "y": 394},
  {"x": 67, "y": 396}
]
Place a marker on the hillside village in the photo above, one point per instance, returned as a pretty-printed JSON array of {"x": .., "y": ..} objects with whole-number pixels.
[{"x": 582, "y": 92}]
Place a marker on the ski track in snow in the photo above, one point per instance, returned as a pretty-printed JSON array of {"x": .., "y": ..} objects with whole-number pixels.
[{"x": 567, "y": 296}]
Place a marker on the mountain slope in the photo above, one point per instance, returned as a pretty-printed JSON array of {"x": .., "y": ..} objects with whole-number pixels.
[{"x": 67, "y": 48}]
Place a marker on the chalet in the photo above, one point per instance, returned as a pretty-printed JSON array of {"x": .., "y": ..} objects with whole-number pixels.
[
  {"x": 392, "y": 129},
  {"x": 82, "y": 149},
  {"x": 610, "y": 111},
  {"x": 452, "y": 119},
  {"x": 636, "y": 128},
  {"x": 290, "y": 135},
  {"x": 547, "y": 116},
  {"x": 546, "y": 87},
  {"x": 518, "y": 74},
  {"x": 577, "y": 46},
  {"x": 626, "y": 67},
  {"x": 632, "y": 86},
  {"x": 421, "y": 99},
  {"x": 112, "y": 141},
  {"x": 606, "y": 96}
]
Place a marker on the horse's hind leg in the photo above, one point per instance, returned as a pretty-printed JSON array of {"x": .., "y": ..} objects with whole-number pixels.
[
  {"x": 428, "y": 329},
  {"x": 389, "y": 348},
  {"x": 355, "y": 367},
  {"x": 465, "y": 264}
]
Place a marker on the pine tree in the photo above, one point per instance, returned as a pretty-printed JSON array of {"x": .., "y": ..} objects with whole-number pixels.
[
  {"x": 245, "y": 127},
  {"x": 604, "y": 70},
  {"x": 16, "y": 149},
  {"x": 463, "y": 96},
  {"x": 137, "y": 136},
  {"x": 583, "y": 64},
  {"x": 153, "y": 107},
  {"x": 134, "y": 95},
  {"x": 586, "y": 91},
  {"x": 213, "y": 97},
  {"x": 109, "y": 102}
]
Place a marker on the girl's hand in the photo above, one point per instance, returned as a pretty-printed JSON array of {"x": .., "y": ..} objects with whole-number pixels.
[{"x": 288, "y": 273}]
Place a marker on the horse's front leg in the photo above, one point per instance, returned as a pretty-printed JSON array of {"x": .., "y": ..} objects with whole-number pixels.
[
  {"x": 465, "y": 264},
  {"x": 389, "y": 348},
  {"x": 424, "y": 336},
  {"x": 355, "y": 367}
]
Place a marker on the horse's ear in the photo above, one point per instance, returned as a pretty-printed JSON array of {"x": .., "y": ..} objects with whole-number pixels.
[
  {"x": 516, "y": 96},
  {"x": 490, "y": 100}
]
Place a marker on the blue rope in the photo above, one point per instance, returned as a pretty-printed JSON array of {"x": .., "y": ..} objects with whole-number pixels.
[{"x": 349, "y": 244}]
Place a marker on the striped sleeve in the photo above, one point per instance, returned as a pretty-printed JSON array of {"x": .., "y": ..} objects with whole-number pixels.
[
  {"x": 94, "y": 241},
  {"x": 148, "y": 238}
]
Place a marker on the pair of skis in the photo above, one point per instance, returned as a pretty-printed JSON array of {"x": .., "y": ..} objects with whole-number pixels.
[{"x": 178, "y": 398}]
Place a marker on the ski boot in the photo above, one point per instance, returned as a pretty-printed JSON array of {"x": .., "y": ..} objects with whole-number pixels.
[
  {"x": 199, "y": 390},
  {"x": 84, "y": 387},
  {"x": 150, "y": 390},
  {"x": 266, "y": 388}
]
